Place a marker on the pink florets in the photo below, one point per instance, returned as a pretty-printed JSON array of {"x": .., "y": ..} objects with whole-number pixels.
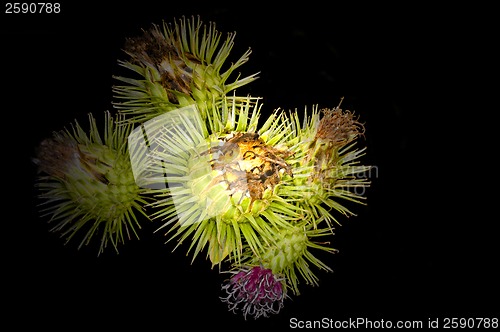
[{"x": 256, "y": 292}]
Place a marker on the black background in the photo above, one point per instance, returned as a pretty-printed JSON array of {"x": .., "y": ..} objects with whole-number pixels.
[{"x": 424, "y": 247}]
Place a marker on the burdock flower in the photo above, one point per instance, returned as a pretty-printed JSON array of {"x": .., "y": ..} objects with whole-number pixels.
[
  {"x": 176, "y": 65},
  {"x": 255, "y": 292},
  {"x": 219, "y": 181},
  {"x": 328, "y": 167},
  {"x": 86, "y": 183}
]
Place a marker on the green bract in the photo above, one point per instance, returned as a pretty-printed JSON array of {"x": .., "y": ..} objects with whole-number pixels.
[
  {"x": 175, "y": 66},
  {"x": 222, "y": 180},
  {"x": 87, "y": 185}
]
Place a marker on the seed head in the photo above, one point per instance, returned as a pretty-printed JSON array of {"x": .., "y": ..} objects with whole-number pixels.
[
  {"x": 176, "y": 65},
  {"x": 219, "y": 181},
  {"x": 86, "y": 184}
]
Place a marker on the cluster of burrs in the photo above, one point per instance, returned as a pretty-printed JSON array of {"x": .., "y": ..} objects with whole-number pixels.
[{"x": 185, "y": 150}]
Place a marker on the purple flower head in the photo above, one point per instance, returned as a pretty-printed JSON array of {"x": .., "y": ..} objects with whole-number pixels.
[{"x": 256, "y": 292}]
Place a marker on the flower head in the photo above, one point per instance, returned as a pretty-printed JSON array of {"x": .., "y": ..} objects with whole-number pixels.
[
  {"x": 86, "y": 183},
  {"x": 338, "y": 127},
  {"x": 177, "y": 65},
  {"x": 218, "y": 182},
  {"x": 255, "y": 291}
]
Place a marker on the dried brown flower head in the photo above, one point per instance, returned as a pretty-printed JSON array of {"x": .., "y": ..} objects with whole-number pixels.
[{"x": 339, "y": 127}]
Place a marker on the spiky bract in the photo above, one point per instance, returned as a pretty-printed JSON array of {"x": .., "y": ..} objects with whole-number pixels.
[
  {"x": 86, "y": 183},
  {"x": 328, "y": 163},
  {"x": 177, "y": 65},
  {"x": 223, "y": 179},
  {"x": 290, "y": 254}
]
